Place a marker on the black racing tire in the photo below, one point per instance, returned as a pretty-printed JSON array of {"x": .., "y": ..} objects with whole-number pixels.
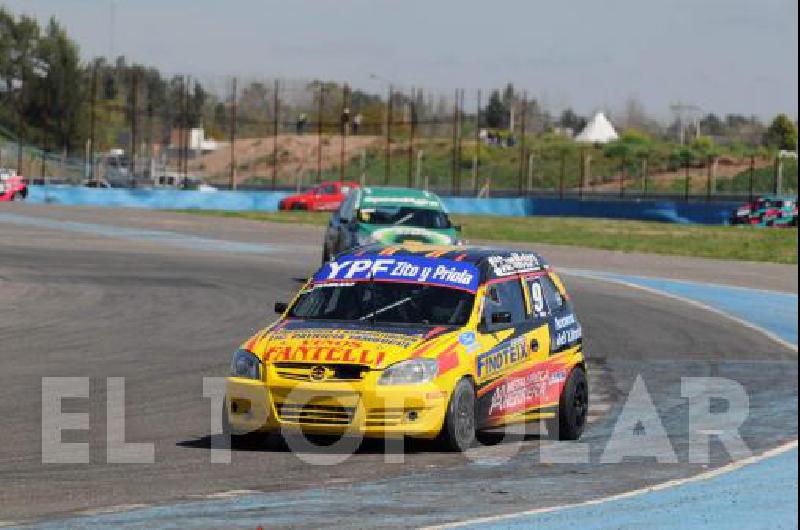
[
  {"x": 458, "y": 431},
  {"x": 573, "y": 408},
  {"x": 17, "y": 197},
  {"x": 298, "y": 207}
]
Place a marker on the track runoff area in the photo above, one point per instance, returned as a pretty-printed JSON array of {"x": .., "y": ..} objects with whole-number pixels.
[{"x": 694, "y": 392}]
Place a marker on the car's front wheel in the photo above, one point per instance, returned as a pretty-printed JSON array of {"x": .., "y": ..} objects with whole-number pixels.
[
  {"x": 573, "y": 408},
  {"x": 458, "y": 431}
]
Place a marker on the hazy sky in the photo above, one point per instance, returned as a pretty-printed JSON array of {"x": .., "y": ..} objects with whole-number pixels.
[{"x": 722, "y": 55}]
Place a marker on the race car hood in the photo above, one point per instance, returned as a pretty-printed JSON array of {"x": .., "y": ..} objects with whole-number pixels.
[{"x": 299, "y": 341}]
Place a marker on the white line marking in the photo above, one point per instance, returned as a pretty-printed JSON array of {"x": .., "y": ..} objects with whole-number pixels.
[
  {"x": 228, "y": 494},
  {"x": 112, "y": 509},
  {"x": 733, "y": 466},
  {"x": 700, "y": 305}
]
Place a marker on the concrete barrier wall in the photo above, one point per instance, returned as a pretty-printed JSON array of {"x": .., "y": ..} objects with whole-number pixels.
[
  {"x": 664, "y": 211},
  {"x": 710, "y": 213},
  {"x": 163, "y": 199}
]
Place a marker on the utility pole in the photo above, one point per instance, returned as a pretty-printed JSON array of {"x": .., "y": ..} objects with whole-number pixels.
[{"x": 233, "y": 136}]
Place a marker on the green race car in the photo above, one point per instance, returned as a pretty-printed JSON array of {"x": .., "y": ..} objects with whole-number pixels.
[{"x": 389, "y": 216}]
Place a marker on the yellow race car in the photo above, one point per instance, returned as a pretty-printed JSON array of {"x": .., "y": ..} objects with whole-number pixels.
[{"x": 418, "y": 341}]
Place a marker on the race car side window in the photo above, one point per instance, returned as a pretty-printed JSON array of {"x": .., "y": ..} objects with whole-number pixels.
[
  {"x": 346, "y": 210},
  {"x": 555, "y": 302},
  {"x": 504, "y": 297}
]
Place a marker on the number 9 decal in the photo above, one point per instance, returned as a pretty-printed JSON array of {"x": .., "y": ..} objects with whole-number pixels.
[{"x": 537, "y": 298}]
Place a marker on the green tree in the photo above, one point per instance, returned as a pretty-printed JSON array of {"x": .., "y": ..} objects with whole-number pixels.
[
  {"x": 781, "y": 134},
  {"x": 58, "y": 96},
  {"x": 497, "y": 116}
]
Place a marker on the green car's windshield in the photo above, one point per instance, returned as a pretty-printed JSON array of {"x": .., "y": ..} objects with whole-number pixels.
[
  {"x": 385, "y": 302},
  {"x": 405, "y": 216}
]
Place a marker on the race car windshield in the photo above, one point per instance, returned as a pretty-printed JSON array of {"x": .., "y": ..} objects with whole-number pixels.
[
  {"x": 404, "y": 215},
  {"x": 385, "y": 302}
]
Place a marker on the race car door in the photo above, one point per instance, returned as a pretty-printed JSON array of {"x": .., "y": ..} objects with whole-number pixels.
[{"x": 513, "y": 342}]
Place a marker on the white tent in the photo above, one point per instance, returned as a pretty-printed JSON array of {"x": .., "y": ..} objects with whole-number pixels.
[{"x": 598, "y": 131}]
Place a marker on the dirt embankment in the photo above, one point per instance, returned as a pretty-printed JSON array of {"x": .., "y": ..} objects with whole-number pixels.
[
  {"x": 726, "y": 168},
  {"x": 296, "y": 154}
]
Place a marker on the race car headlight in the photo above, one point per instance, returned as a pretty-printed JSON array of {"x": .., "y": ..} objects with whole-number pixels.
[
  {"x": 245, "y": 364},
  {"x": 411, "y": 372}
]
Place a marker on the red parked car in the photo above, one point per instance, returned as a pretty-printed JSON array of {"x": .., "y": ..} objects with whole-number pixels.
[
  {"x": 12, "y": 186},
  {"x": 327, "y": 196}
]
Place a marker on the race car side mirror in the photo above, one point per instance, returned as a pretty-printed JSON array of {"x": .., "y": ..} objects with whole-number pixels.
[{"x": 281, "y": 307}]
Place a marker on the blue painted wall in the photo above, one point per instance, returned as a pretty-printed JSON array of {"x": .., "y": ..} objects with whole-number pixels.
[{"x": 664, "y": 211}]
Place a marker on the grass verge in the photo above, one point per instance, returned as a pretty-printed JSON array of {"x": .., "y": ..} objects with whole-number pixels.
[{"x": 776, "y": 245}]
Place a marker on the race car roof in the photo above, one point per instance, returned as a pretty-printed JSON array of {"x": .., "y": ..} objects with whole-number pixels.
[
  {"x": 492, "y": 263},
  {"x": 398, "y": 197}
]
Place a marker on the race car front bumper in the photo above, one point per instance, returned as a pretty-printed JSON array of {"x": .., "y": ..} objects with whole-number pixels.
[{"x": 361, "y": 408}]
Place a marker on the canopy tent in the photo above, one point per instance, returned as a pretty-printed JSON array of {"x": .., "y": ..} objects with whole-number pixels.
[{"x": 598, "y": 131}]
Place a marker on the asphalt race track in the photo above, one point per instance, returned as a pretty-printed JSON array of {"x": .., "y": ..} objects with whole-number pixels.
[{"x": 163, "y": 300}]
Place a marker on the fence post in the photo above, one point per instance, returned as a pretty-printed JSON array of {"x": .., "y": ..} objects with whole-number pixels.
[
  {"x": 411, "y": 133},
  {"x": 345, "y": 129},
  {"x": 645, "y": 174},
  {"x": 134, "y": 129},
  {"x": 563, "y": 174},
  {"x": 92, "y": 120},
  {"x": 709, "y": 170},
  {"x": 387, "y": 177},
  {"x": 454, "y": 177},
  {"x": 320, "y": 107},
  {"x": 522, "y": 158},
  {"x": 752, "y": 177},
  {"x": 622, "y": 171},
  {"x": 275, "y": 108},
  {"x": 233, "y": 135},
  {"x": 582, "y": 182},
  {"x": 687, "y": 183},
  {"x": 530, "y": 172},
  {"x": 476, "y": 170}
]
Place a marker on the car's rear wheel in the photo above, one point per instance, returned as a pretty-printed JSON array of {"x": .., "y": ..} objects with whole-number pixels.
[
  {"x": 573, "y": 408},
  {"x": 17, "y": 197},
  {"x": 299, "y": 206},
  {"x": 458, "y": 431}
]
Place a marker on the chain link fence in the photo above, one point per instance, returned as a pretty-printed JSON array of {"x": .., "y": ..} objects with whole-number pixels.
[{"x": 139, "y": 129}]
